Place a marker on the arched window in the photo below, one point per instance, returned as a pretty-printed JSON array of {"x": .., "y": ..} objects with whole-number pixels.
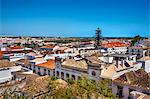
[
  {"x": 73, "y": 77},
  {"x": 93, "y": 73},
  {"x": 67, "y": 75},
  {"x": 39, "y": 73},
  {"x": 53, "y": 73},
  {"x": 44, "y": 71},
  {"x": 57, "y": 73},
  {"x": 62, "y": 75},
  {"x": 49, "y": 72}
]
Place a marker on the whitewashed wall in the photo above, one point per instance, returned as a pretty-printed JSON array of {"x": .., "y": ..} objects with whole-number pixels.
[
  {"x": 147, "y": 66},
  {"x": 5, "y": 75}
]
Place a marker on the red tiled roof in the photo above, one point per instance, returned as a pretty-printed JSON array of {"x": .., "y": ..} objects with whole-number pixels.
[
  {"x": 1, "y": 54},
  {"x": 15, "y": 47},
  {"x": 49, "y": 64},
  {"x": 114, "y": 44},
  {"x": 86, "y": 43},
  {"x": 59, "y": 48},
  {"x": 47, "y": 46}
]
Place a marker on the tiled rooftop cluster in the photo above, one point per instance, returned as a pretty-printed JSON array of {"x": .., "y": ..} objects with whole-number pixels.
[{"x": 125, "y": 66}]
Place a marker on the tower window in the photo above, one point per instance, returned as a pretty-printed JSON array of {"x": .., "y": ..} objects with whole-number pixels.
[{"x": 93, "y": 73}]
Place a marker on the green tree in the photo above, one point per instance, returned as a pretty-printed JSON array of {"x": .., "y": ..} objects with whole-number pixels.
[
  {"x": 70, "y": 81},
  {"x": 83, "y": 88},
  {"x": 103, "y": 88},
  {"x": 53, "y": 78},
  {"x": 135, "y": 39}
]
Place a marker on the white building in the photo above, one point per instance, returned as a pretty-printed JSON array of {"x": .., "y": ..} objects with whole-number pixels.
[
  {"x": 119, "y": 50},
  {"x": 145, "y": 63},
  {"x": 14, "y": 56},
  {"x": 106, "y": 59},
  {"x": 131, "y": 81},
  {"x": 139, "y": 51},
  {"x": 83, "y": 52},
  {"x": 63, "y": 56},
  {"x": 69, "y": 68},
  {"x": 115, "y": 47},
  {"x": 72, "y": 69},
  {"x": 41, "y": 67},
  {"x": 106, "y": 67},
  {"x": 6, "y": 73}
]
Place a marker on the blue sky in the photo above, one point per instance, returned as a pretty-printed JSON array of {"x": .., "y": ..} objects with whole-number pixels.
[{"x": 68, "y": 18}]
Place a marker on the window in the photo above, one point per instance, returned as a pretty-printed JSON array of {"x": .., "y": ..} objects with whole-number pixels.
[
  {"x": 73, "y": 77},
  {"x": 30, "y": 67},
  {"x": 120, "y": 91},
  {"x": 39, "y": 73},
  {"x": 146, "y": 53},
  {"x": 44, "y": 71},
  {"x": 67, "y": 75},
  {"x": 34, "y": 71},
  {"x": 57, "y": 73},
  {"x": 62, "y": 75},
  {"x": 53, "y": 73},
  {"x": 48, "y": 72},
  {"x": 93, "y": 73}
]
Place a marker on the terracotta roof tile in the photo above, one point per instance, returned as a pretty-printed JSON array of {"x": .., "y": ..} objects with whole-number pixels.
[
  {"x": 114, "y": 44},
  {"x": 47, "y": 46},
  {"x": 49, "y": 64},
  {"x": 16, "y": 47}
]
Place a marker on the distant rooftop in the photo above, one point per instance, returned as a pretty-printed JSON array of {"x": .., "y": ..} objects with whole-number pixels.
[
  {"x": 76, "y": 64},
  {"x": 138, "y": 78},
  {"x": 122, "y": 55},
  {"x": 145, "y": 58},
  {"x": 49, "y": 64},
  {"x": 114, "y": 44}
]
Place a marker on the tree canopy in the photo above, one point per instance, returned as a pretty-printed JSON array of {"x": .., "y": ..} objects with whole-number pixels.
[
  {"x": 135, "y": 39},
  {"x": 83, "y": 88}
]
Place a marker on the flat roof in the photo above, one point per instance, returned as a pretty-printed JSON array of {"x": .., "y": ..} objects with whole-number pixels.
[{"x": 122, "y": 55}]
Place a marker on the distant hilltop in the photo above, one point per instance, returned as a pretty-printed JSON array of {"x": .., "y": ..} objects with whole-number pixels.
[{"x": 64, "y": 37}]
